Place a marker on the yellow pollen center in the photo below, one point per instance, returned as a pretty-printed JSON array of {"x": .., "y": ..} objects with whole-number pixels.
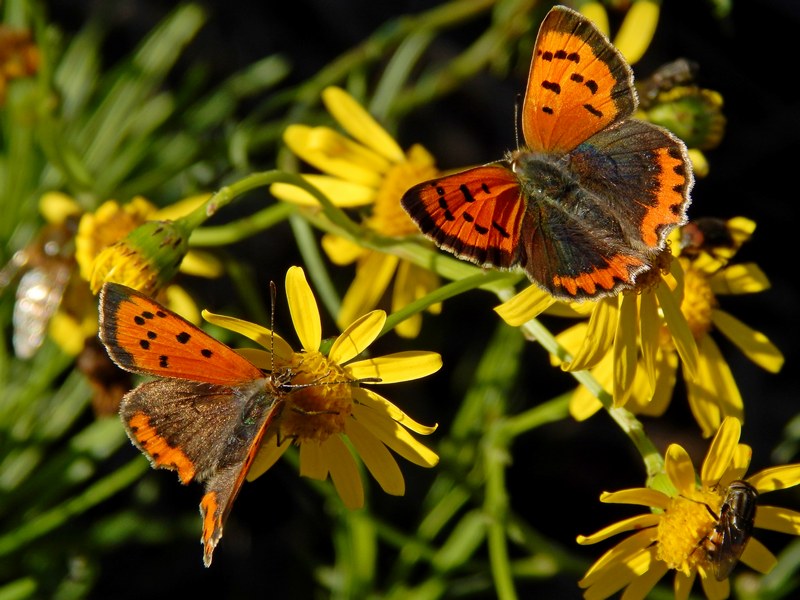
[
  {"x": 388, "y": 216},
  {"x": 683, "y": 528},
  {"x": 322, "y": 403},
  {"x": 698, "y": 302}
]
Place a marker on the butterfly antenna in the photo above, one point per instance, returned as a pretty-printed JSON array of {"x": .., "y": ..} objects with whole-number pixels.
[
  {"x": 273, "y": 294},
  {"x": 517, "y": 105}
]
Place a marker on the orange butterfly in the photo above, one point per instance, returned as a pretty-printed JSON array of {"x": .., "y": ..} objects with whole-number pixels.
[
  {"x": 205, "y": 419},
  {"x": 587, "y": 204}
]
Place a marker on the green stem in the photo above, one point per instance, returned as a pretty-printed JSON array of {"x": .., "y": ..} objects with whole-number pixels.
[
  {"x": 444, "y": 292},
  {"x": 627, "y": 421},
  {"x": 236, "y": 231},
  {"x": 495, "y": 458}
]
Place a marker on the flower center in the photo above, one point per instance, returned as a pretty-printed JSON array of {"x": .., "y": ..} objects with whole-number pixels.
[
  {"x": 698, "y": 301},
  {"x": 388, "y": 216},
  {"x": 321, "y": 405},
  {"x": 684, "y": 525}
]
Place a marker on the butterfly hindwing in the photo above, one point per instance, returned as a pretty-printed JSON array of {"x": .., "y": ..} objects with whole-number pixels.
[
  {"x": 144, "y": 337},
  {"x": 578, "y": 84},
  {"x": 641, "y": 174},
  {"x": 206, "y": 432},
  {"x": 474, "y": 214}
]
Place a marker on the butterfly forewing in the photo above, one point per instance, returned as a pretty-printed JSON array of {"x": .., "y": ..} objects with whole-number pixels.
[
  {"x": 144, "y": 337},
  {"x": 578, "y": 84},
  {"x": 474, "y": 214}
]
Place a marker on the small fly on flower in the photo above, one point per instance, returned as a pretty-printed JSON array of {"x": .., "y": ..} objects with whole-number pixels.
[{"x": 726, "y": 542}]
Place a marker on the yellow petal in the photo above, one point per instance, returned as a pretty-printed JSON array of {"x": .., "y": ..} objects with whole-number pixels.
[
  {"x": 334, "y": 154},
  {"x": 758, "y": 557},
  {"x": 713, "y": 393},
  {"x": 583, "y": 404},
  {"x": 313, "y": 461},
  {"x": 340, "y": 250},
  {"x": 637, "y": 496},
  {"x": 357, "y": 337},
  {"x": 178, "y": 209},
  {"x": 713, "y": 589},
  {"x": 678, "y": 327},
  {"x": 653, "y": 399},
  {"x": 523, "y": 307},
  {"x": 745, "y": 278},
  {"x": 596, "y": 13},
  {"x": 597, "y": 337},
  {"x": 620, "y": 574},
  {"x": 637, "y": 29},
  {"x": 618, "y": 555},
  {"x": 201, "y": 264},
  {"x": 776, "y": 478},
  {"x": 684, "y": 584},
  {"x": 181, "y": 302},
  {"x": 775, "y": 518},
  {"x": 721, "y": 451},
  {"x": 359, "y": 123},
  {"x": 640, "y": 587},
  {"x": 680, "y": 469},
  {"x": 303, "y": 308},
  {"x": 755, "y": 345},
  {"x": 346, "y": 194},
  {"x": 378, "y": 403},
  {"x": 396, "y": 437},
  {"x": 56, "y": 207},
  {"x": 344, "y": 472},
  {"x": 412, "y": 283},
  {"x": 650, "y": 332},
  {"x": 393, "y": 368},
  {"x": 378, "y": 460},
  {"x": 268, "y": 454},
  {"x": 636, "y": 523},
  {"x": 374, "y": 271},
  {"x": 260, "y": 335},
  {"x": 700, "y": 166},
  {"x": 625, "y": 349}
]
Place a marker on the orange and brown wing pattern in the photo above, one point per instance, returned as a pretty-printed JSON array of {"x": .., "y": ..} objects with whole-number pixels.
[
  {"x": 475, "y": 214},
  {"x": 578, "y": 84},
  {"x": 142, "y": 336}
]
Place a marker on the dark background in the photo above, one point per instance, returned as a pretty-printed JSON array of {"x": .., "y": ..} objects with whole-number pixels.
[{"x": 279, "y": 528}]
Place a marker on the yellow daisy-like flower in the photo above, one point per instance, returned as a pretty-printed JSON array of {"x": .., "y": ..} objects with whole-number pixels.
[
  {"x": 126, "y": 243},
  {"x": 328, "y": 413},
  {"x": 620, "y": 330},
  {"x": 711, "y": 388},
  {"x": 369, "y": 170},
  {"x": 97, "y": 241},
  {"x": 687, "y": 528}
]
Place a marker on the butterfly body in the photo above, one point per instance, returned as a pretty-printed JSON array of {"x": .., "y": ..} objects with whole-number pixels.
[
  {"x": 586, "y": 204},
  {"x": 205, "y": 415}
]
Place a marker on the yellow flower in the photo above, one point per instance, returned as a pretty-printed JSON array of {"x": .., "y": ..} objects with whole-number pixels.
[
  {"x": 370, "y": 170},
  {"x": 677, "y": 533},
  {"x": 98, "y": 234},
  {"x": 328, "y": 413},
  {"x": 138, "y": 245},
  {"x": 711, "y": 388}
]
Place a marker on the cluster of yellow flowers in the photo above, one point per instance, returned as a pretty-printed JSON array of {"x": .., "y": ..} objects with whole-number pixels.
[{"x": 631, "y": 344}]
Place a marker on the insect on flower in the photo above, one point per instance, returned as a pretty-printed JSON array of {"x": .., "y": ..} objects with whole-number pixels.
[{"x": 726, "y": 542}]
